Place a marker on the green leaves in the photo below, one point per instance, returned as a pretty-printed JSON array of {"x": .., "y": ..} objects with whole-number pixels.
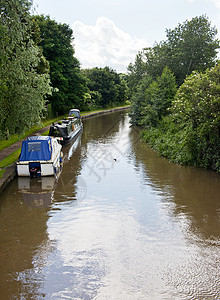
[
  {"x": 190, "y": 46},
  {"x": 24, "y": 83},
  {"x": 185, "y": 127},
  {"x": 106, "y": 86},
  {"x": 153, "y": 98},
  {"x": 198, "y": 99},
  {"x": 191, "y": 133},
  {"x": 65, "y": 74},
  {"x": 197, "y": 104}
]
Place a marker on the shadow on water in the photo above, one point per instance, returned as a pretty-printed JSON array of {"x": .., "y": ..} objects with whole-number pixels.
[
  {"x": 24, "y": 242},
  {"x": 119, "y": 223},
  {"x": 194, "y": 192},
  {"x": 23, "y": 219}
]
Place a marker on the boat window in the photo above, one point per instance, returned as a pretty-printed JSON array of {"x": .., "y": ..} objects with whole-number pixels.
[
  {"x": 69, "y": 129},
  {"x": 34, "y": 146}
]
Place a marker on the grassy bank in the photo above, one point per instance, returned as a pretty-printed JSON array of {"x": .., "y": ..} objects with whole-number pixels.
[
  {"x": 15, "y": 138},
  {"x": 181, "y": 144},
  {"x": 12, "y": 158},
  {"x": 8, "y": 161},
  {"x": 169, "y": 141}
]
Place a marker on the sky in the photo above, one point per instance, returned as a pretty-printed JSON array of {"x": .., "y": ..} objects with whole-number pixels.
[{"x": 110, "y": 33}]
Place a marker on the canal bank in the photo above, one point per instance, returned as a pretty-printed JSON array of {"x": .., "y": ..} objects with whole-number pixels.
[
  {"x": 119, "y": 223},
  {"x": 10, "y": 171}
]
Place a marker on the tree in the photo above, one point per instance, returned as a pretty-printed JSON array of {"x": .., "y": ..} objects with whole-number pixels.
[
  {"x": 69, "y": 84},
  {"x": 190, "y": 46},
  {"x": 153, "y": 98},
  {"x": 23, "y": 87},
  {"x": 136, "y": 72},
  {"x": 197, "y": 107},
  {"x": 106, "y": 83}
]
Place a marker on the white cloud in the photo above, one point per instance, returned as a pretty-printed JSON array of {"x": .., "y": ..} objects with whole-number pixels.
[
  {"x": 216, "y": 2},
  {"x": 104, "y": 44}
]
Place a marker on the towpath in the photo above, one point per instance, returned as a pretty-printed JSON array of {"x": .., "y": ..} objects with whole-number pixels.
[
  {"x": 10, "y": 172},
  {"x": 9, "y": 150}
]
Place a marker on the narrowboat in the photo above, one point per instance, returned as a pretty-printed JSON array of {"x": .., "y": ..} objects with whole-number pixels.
[
  {"x": 67, "y": 130},
  {"x": 40, "y": 156}
]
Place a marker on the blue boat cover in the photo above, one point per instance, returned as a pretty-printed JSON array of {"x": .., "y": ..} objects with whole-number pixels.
[{"x": 36, "y": 148}]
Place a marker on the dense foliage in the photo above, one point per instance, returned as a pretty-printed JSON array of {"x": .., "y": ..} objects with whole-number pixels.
[
  {"x": 69, "y": 85},
  {"x": 153, "y": 98},
  {"x": 106, "y": 87},
  {"x": 190, "y": 46},
  {"x": 24, "y": 79},
  {"x": 191, "y": 134},
  {"x": 39, "y": 74},
  {"x": 182, "y": 124}
]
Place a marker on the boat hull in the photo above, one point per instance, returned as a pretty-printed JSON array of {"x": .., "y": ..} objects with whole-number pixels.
[
  {"x": 67, "y": 130},
  {"x": 40, "y": 156},
  {"x": 67, "y": 140},
  {"x": 45, "y": 169}
]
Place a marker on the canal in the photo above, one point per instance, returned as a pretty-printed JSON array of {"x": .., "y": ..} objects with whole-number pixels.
[{"x": 119, "y": 223}]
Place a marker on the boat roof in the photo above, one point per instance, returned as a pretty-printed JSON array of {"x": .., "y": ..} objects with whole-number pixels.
[
  {"x": 36, "y": 148},
  {"x": 75, "y": 112},
  {"x": 74, "y": 109},
  {"x": 38, "y": 138}
]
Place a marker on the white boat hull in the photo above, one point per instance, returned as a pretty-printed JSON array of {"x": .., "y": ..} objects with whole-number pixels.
[
  {"x": 47, "y": 169},
  {"x": 43, "y": 167}
]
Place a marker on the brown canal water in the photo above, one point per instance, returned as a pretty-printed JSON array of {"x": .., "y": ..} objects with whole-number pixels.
[{"x": 119, "y": 223}]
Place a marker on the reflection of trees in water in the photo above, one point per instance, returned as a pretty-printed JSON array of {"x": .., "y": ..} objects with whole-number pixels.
[
  {"x": 195, "y": 192},
  {"x": 70, "y": 185},
  {"x": 23, "y": 232},
  {"x": 102, "y": 127},
  {"x": 23, "y": 222}
]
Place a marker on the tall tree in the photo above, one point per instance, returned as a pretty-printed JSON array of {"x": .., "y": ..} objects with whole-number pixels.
[
  {"x": 197, "y": 107},
  {"x": 153, "y": 98},
  {"x": 23, "y": 86},
  {"x": 69, "y": 85},
  {"x": 190, "y": 46},
  {"x": 109, "y": 88}
]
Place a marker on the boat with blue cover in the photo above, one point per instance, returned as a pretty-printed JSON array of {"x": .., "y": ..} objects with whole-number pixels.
[{"x": 40, "y": 156}]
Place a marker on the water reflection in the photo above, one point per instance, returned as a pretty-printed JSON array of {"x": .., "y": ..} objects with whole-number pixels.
[
  {"x": 23, "y": 231},
  {"x": 70, "y": 186},
  {"x": 194, "y": 192},
  {"x": 122, "y": 223},
  {"x": 36, "y": 192}
]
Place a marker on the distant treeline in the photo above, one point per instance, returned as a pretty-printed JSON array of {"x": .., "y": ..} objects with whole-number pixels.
[
  {"x": 175, "y": 93},
  {"x": 39, "y": 74}
]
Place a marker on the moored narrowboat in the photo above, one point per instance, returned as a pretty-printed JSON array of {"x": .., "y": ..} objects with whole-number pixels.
[
  {"x": 67, "y": 130},
  {"x": 40, "y": 156}
]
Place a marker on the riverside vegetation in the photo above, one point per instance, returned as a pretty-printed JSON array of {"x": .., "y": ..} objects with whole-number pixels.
[
  {"x": 39, "y": 75},
  {"x": 173, "y": 87}
]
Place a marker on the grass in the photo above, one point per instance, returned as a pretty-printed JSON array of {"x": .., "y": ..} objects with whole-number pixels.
[
  {"x": 15, "y": 138},
  {"x": 10, "y": 159},
  {"x": 103, "y": 109},
  {"x": 2, "y": 171}
]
